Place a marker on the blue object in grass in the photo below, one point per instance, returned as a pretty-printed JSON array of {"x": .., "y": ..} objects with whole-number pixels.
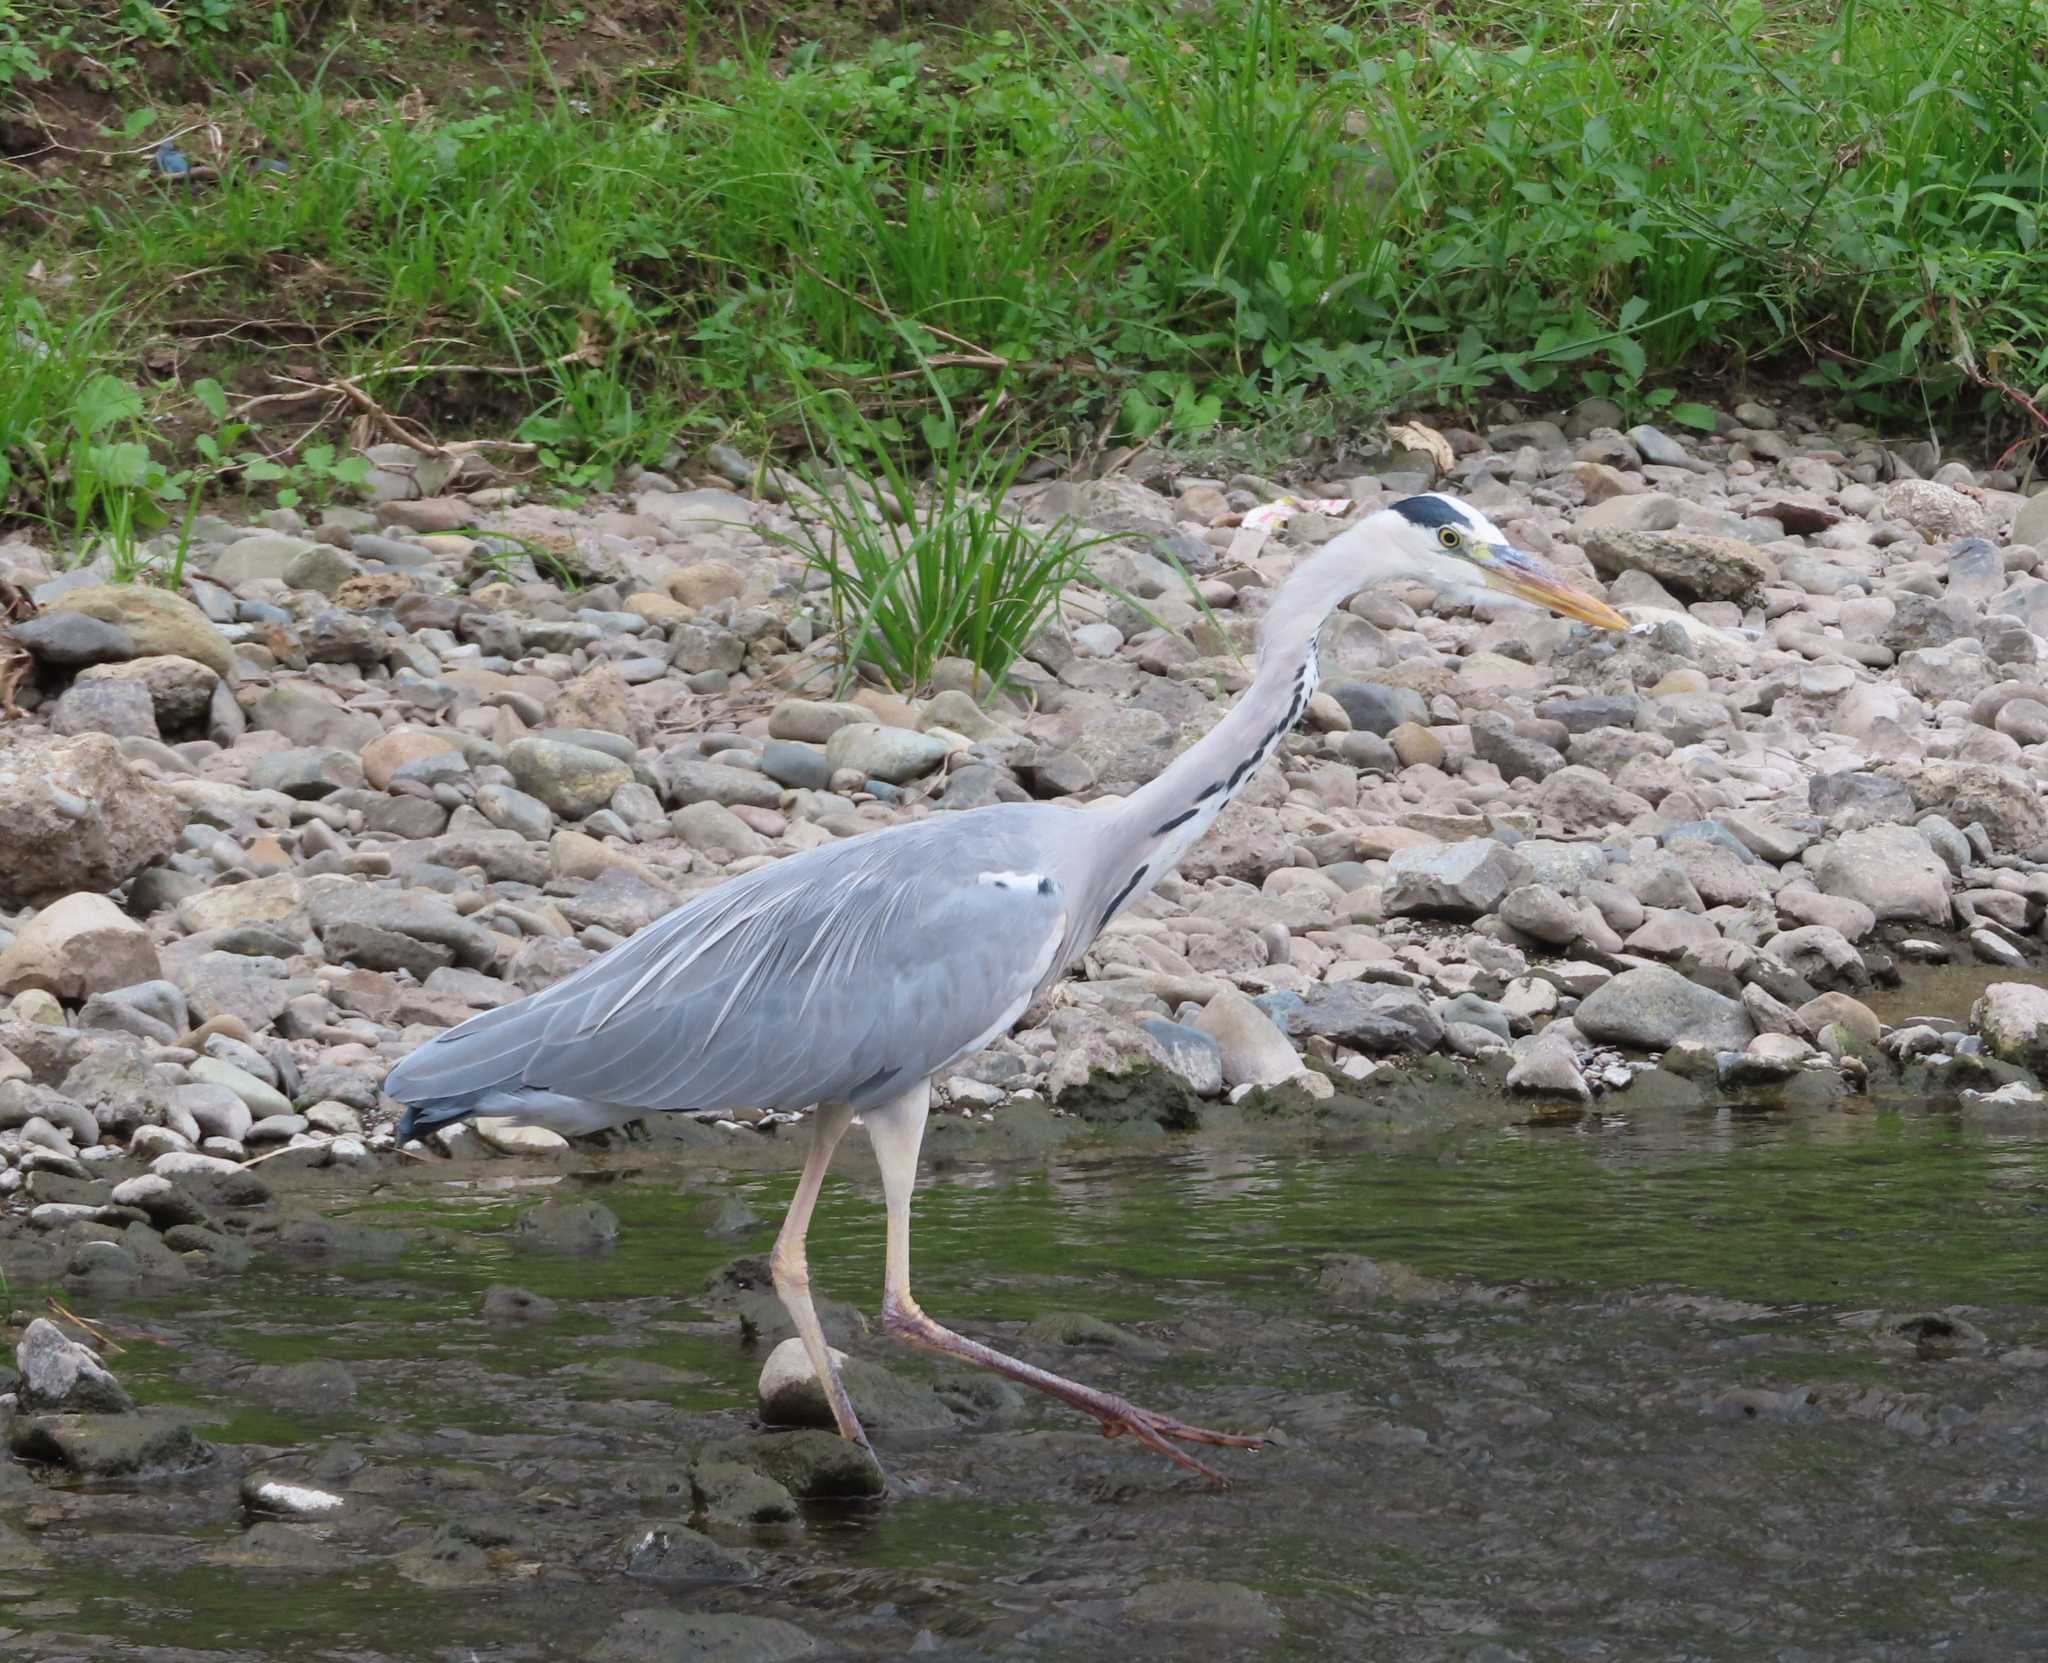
[{"x": 172, "y": 162}]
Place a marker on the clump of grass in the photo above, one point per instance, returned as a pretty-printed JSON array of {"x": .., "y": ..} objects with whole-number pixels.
[{"x": 943, "y": 570}]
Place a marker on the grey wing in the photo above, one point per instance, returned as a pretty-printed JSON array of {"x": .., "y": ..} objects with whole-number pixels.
[{"x": 849, "y": 973}]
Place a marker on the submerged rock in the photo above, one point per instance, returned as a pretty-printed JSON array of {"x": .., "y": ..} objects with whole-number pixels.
[
  {"x": 736, "y": 1495},
  {"x": 792, "y": 1395},
  {"x": 812, "y": 1466},
  {"x": 672, "y": 1552},
  {"x": 571, "y": 1227},
  {"x": 136, "y": 1445},
  {"x": 667, "y": 1636}
]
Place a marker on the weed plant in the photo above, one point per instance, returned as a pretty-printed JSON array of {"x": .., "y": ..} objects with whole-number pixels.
[{"x": 917, "y": 571}]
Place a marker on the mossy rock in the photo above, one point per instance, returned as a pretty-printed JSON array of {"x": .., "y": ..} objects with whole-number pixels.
[{"x": 1134, "y": 1100}]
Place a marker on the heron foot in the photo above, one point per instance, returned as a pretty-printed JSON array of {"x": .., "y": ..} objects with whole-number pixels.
[
  {"x": 1153, "y": 1430},
  {"x": 1119, "y": 1416}
]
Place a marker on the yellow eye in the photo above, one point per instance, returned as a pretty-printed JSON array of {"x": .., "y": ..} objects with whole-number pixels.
[{"x": 1447, "y": 537}]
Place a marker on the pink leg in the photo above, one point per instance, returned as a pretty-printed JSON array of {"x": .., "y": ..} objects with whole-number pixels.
[
  {"x": 792, "y": 1273},
  {"x": 896, "y": 1132}
]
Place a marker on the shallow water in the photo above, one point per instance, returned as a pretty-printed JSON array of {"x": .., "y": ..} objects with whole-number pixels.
[{"x": 1643, "y": 1399}]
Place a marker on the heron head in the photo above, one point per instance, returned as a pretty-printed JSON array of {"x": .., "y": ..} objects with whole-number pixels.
[{"x": 1452, "y": 545}]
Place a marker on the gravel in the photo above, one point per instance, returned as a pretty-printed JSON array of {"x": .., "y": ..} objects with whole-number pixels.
[{"x": 355, "y": 788}]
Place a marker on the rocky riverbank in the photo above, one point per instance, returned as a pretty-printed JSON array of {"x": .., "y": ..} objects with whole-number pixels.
[{"x": 370, "y": 774}]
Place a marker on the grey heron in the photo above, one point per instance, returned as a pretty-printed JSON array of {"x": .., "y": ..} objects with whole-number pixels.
[{"x": 843, "y": 979}]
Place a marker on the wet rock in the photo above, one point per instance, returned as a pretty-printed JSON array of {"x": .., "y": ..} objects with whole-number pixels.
[
  {"x": 211, "y": 1184},
  {"x": 1545, "y": 1066},
  {"x": 579, "y": 1228},
  {"x": 791, "y": 1394},
  {"x": 136, "y": 1445},
  {"x": 507, "y": 1304},
  {"x": 1350, "y": 1277},
  {"x": 1190, "y": 1053},
  {"x": 1651, "y": 1008},
  {"x": 673, "y": 1552},
  {"x": 58, "y": 1373},
  {"x": 76, "y": 946},
  {"x": 734, "y": 1495},
  {"x": 508, "y": 1137},
  {"x": 74, "y": 816},
  {"x": 17, "y": 1552},
  {"x": 812, "y": 1466},
  {"x": 666, "y": 1636},
  {"x": 1204, "y": 1608},
  {"x": 1079, "y": 1330},
  {"x": 322, "y": 1386},
  {"x": 280, "y": 1498}
]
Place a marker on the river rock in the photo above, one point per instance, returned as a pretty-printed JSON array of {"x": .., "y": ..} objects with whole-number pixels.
[
  {"x": 156, "y": 621},
  {"x": 669, "y": 1551},
  {"x": 72, "y": 640},
  {"x": 108, "y": 1446},
  {"x": 1652, "y": 1008},
  {"x": 1890, "y": 869},
  {"x": 812, "y": 1466},
  {"x": 791, "y": 1394},
  {"x": 1545, "y": 1066},
  {"x": 659, "y": 1636},
  {"x": 120, "y": 709},
  {"x": 75, "y": 816},
  {"x": 575, "y": 1228},
  {"x": 80, "y": 945},
  {"x": 2013, "y": 1019},
  {"x": 733, "y": 1495},
  {"x": 1385, "y": 1021},
  {"x": 1692, "y": 565},
  {"x": 1937, "y": 512},
  {"x": 1451, "y": 880},
  {"x": 573, "y": 780},
  {"x": 894, "y": 755},
  {"x": 180, "y": 689},
  {"x": 58, "y": 1373},
  {"x": 1252, "y": 1050}
]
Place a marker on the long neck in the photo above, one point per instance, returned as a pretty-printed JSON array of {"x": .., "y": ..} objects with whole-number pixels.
[{"x": 1160, "y": 822}]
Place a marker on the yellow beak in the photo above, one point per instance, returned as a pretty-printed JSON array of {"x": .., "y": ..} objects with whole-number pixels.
[{"x": 1517, "y": 572}]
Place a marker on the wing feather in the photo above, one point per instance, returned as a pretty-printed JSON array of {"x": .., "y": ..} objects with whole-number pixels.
[{"x": 842, "y": 973}]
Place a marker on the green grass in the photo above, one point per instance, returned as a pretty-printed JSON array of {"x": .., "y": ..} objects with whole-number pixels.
[
  {"x": 948, "y": 570},
  {"x": 1270, "y": 217}
]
